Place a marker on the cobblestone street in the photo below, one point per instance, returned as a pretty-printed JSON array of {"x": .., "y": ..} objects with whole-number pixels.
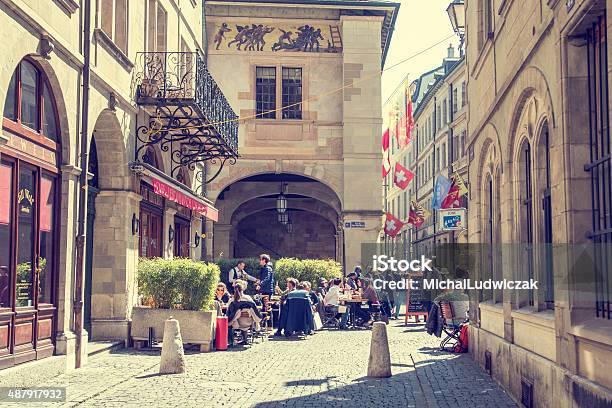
[{"x": 327, "y": 369}]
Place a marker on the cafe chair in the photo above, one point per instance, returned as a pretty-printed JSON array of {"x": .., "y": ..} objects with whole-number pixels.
[
  {"x": 299, "y": 317},
  {"x": 330, "y": 320},
  {"x": 244, "y": 328},
  {"x": 452, "y": 326}
]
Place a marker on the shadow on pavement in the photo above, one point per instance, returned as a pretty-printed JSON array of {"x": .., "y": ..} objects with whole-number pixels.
[{"x": 462, "y": 381}]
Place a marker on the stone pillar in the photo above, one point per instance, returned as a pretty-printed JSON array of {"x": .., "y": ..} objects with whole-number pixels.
[
  {"x": 114, "y": 263},
  {"x": 362, "y": 118},
  {"x": 222, "y": 245},
  {"x": 65, "y": 337},
  {"x": 167, "y": 246}
]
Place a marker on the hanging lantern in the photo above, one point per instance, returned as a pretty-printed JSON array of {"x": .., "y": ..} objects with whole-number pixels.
[
  {"x": 289, "y": 227},
  {"x": 283, "y": 218},
  {"x": 281, "y": 201}
]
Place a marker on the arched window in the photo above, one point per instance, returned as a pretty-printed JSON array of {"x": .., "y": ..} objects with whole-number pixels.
[
  {"x": 526, "y": 215},
  {"x": 545, "y": 235},
  {"x": 29, "y": 107}
]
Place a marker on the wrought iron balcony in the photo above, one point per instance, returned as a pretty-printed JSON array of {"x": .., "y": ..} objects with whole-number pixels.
[{"x": 189, "y": 114}]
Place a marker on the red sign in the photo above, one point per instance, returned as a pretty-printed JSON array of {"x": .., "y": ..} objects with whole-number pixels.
[{"x": 172, "y": 194}]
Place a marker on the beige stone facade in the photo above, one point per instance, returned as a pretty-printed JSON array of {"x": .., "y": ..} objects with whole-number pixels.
[
  {"x": 327, "y": 154},
  {"x": 530, "y": 68},
  {"x": 49, "y": 35}
]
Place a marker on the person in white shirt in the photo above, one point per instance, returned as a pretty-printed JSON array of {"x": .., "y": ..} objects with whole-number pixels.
[
  {"x": 332, "y": 299},
  {"x": 238, "y": 273}
]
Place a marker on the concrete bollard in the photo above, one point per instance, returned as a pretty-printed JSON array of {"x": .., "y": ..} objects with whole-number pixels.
[
  {"x": 379, "y": 363},
  {"x": 173, "y": 355}
]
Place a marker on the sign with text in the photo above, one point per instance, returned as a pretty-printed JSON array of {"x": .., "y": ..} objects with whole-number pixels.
[
  {"x": 354, "y": 224},
  {"x": 452, "y": 219}
]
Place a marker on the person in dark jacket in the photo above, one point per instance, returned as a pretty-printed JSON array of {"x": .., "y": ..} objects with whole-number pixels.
[{"x": 266, "y": 276}]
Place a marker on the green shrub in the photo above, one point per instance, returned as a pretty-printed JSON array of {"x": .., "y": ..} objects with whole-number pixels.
[
  {"x": 178, "y": 283},
  {"x": 309, "y": 270}
]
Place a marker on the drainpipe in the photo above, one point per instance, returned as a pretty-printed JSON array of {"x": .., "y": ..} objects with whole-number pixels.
[{"x": 80, "y": 238}]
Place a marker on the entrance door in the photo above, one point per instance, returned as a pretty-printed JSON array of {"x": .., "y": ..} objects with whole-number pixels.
[
  {"x": 181, "y": 237},
  {"x": 27, "y": 263}
]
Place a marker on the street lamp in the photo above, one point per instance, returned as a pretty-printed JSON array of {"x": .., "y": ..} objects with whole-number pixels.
[
  {"x": 456, "y": 14},
  {"x": 281, "y": 201}
]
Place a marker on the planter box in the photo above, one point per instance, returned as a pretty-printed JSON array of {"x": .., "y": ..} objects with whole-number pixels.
[{"x": 197, "y": 326}]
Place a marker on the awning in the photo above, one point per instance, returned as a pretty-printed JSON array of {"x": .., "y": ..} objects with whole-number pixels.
[{"x": 172, "y": 190}]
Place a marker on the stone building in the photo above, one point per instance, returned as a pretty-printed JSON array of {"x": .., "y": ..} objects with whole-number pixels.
[
  {"x": 437, "y": 147},
  {"x": 539, "y": 171},
  {"x": 93, "y": 86},
  {"x": 304, "y": 77}
]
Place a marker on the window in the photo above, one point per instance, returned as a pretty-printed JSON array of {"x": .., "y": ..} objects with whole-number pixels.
[
  {"x": 29, "y": 102},
  {"x": 455, "y": 102},
  {"x": 265, "y": 90},
  {"x": 114, "y": 20},
  {"x": 444, "y": 112},
  {"x": 463, "y": 94},
  {"x": 443, "y": 155},
  {"x": 600, "y": 164},
  {"x": 292, "y": 93},
  {"x": 157, "y": 27},
  {"x": 526, "y": 219},
  {"x": 437, "y": 159},
  {"x": 546, "y": 275}
]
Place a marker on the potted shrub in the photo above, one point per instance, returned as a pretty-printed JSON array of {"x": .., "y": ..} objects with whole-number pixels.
[{"x": 181, "y": 288}]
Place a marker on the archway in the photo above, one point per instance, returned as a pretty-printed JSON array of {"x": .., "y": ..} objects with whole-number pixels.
[
  {"x": 93, "y": 188},
  {"x": 250, "y": 224}
]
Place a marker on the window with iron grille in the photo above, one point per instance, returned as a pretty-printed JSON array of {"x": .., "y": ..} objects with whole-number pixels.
[
  {"x": 600, "y": 167},
  {"x": 292, "y": 93},
  {"x": 547, "y": 275},
  {"x": 527, "y": 217},
  {"x": 265, "y": 92}
]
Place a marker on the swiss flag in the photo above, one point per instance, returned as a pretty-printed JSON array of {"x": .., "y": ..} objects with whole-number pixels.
[
  {"x": 393, "y": 225},
  {"x": 386, "y": 163},
  {"x": 402, "y": 176},
  {"x": 452, "y": 199}
]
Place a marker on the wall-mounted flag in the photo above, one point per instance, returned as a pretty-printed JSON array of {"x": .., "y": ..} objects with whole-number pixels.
[
  {"x": 441, "y": 189},
  {"x": 393, "y": 225},
  {"x": 386, "y": 163},
  {"x": 417, "y": 214},
  {"x": 402, "y": 176}
]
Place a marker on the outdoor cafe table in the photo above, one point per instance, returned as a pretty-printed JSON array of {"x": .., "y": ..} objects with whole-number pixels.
[{"x": 353, "y": 315}]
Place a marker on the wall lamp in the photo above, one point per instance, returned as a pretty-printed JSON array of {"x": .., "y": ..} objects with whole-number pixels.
[
  {"x": 196, "y": 240},
  {"x": 170, "y": 234},
  {"x": 135, "y": 224}
]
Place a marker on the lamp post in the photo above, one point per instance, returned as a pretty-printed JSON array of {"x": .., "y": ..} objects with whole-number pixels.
[{"x": 456, "y": 14}]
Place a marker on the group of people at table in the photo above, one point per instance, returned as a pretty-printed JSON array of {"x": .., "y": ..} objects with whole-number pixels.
[{"x": 352, "y": 301}]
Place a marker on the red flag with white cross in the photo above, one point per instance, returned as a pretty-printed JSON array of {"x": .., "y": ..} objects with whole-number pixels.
[
  {"x": 386, "y": 154},
  {"x": 393, "y": 225},
  {"x": 402, "y": 176}
]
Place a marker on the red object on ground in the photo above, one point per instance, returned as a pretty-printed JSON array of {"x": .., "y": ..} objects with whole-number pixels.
[
  {"x": 221, "y": 333},
  {"x": 462, "y": 345}
]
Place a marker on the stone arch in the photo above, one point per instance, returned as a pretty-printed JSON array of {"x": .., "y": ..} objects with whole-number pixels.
[
  {"x": 251, "y": 207},
  {"x": 530, "y": 85},
  {"x": 311, "y": 170},
  {"x": 112, "y": 154}
]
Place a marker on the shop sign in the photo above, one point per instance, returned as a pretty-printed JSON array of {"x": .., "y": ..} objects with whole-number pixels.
[{"x": 176, "y": 196}]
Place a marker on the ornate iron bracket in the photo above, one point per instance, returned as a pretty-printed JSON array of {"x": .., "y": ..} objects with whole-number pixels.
[{"x": 189, "y": 115}]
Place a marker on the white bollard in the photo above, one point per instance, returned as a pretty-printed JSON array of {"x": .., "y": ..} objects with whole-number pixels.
[
  {"x": 173, "y": 355},
  {"x": 379, "y": 363}
]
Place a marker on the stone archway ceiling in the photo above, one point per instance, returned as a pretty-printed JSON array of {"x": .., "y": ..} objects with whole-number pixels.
[{"x": 189, "y": 115}]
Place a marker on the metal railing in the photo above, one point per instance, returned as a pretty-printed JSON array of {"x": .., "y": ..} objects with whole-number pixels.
[{"x": 181, "y": 78}]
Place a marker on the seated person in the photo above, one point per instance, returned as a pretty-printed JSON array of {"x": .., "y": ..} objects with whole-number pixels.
[
  {"x": 221, "y": 294},
  {"x": 239, "y": 303},
  {"x": 332, "y": 300},
  {"x": 291, "y": 285},
  {"x": 314, "y": 299},
  {"x": 322, "y": 289},
  {"x": 300, "y": 292}
]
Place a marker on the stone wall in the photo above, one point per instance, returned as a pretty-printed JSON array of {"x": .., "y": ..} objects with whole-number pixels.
[{"x": 313, "y": 236}]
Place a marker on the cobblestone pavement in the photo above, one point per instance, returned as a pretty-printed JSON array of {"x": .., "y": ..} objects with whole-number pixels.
[{"x": 324, "y": 370}]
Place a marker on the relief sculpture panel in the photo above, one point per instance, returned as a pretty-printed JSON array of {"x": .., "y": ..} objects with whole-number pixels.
[{"x": 244, "y": 36}]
